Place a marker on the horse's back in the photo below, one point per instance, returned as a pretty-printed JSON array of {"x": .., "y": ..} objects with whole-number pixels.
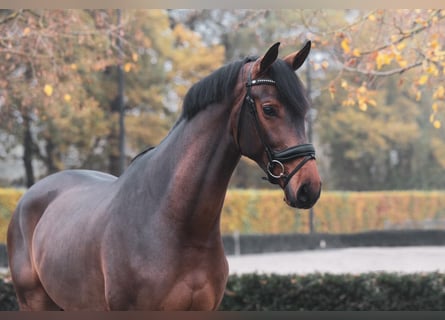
[
  {"x": 35, "y": 201},
  {"x": 26, "y": 217}
]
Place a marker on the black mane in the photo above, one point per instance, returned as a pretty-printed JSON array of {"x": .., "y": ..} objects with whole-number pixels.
[
  {"x": 220, "y": 84},
  {"x": 212, "y": 89}
]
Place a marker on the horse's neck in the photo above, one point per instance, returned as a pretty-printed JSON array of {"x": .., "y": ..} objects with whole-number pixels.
[{"x": 189, "y": 172}]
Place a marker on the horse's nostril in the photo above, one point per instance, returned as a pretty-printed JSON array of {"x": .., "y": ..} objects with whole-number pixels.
[{"x": 303, "y": 194}]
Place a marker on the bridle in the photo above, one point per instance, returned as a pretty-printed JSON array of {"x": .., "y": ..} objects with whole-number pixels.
[{"x": 275, "y": 158}]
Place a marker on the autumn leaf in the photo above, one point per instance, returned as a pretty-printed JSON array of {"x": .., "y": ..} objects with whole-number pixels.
[
  {"x": 402, "y": 62},
  {"x": 423, "y": 79},
  {"x": 345, "y": 45},
  {"x": 439, "y": 93},
  {"x": 382, "y": 59},
  {"x": 348, "y": 102},
  {"x": 362, "y": 90},
  {"x": 437, "y": 124},
  {"x": 128, "y": 66},
  {"x": 432, "y": 69},
  {"x": 325, "y": 65},
  {"x": 48, "y": 89},
  {"x": 401, "y": 46},
  {"x": 432, "y": 117},
  {"x": 332, "y": 91},
  {"x": 372, "y": 102},
  {"x": 67, "y": 97},
  {"x": 418, "y": 95},
  {"x": 363, "y": 106},
  {"x": 434, "y": 45},
  {"x": 356, "y": 52}
]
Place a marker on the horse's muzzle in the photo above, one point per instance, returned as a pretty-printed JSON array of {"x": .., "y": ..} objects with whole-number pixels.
[{"x": 305, "y": 197}]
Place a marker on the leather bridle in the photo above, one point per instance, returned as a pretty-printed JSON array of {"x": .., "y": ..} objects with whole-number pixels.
[{"x": 275, "y": 158}]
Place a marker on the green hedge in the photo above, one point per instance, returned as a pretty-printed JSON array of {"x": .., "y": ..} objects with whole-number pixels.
[
  {"x": 329, "y": 292},
  {"x": 8, "y": 300},
  {"x": 322, "y": 292}
]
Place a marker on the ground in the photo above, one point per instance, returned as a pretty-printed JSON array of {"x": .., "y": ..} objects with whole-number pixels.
[{"x": 350, "y": 260}]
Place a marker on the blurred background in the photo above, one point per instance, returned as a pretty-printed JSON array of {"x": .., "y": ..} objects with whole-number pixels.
[{"x": 92, "y": 88}]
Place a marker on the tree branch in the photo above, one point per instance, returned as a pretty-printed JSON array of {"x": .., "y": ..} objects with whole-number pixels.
[
  {"x": 406, "y": 35},
  {"x": 10, "y": 17},
  {"x": 340, "y": 29},
  {"x": 383, "y": 73}
]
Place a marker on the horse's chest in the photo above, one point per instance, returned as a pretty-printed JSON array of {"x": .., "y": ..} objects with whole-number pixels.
[{"x": 190, "y": 294}]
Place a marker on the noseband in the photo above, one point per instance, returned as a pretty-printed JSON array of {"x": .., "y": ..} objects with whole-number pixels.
[{"x": 275, "y": 158}]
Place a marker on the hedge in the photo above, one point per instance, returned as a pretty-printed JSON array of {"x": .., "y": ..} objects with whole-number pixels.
[
  {"x": 8, "y": 300},
  {"x": 319, "y": 292},
  {"x": 264, "y": 211},
  {"x": 8, "y": 202},
  {"x": 329, "y": 292}
]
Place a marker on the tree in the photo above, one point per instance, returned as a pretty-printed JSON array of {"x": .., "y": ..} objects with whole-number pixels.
[
  {"x": 58, "y": 83},
  {"x": 382, "y": 65},
  {"x": 40, "y": 83},
  {"x": 163, "y": 61},
  {"x": 371, "y": 150},
  {"x": 382, "y": 43},
  {"x": 376, "y": 77}
]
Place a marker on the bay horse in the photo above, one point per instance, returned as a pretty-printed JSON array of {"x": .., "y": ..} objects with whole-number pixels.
[{"x": 150, "y": 239}]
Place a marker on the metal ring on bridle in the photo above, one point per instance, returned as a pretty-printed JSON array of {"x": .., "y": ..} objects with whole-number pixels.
[{"x": 271, "y": 165}]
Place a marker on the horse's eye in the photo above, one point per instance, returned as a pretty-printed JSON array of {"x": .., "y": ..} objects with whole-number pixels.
[{"x": 269, "y": 111}]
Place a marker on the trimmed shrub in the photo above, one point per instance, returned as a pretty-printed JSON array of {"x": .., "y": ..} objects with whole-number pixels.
[
  {"x": 329, "y": 292},
  {"x": 8, "y": 300},
  {"x": 8, "y": 201},
  {"x": 265, "y": 212},
  {"x": 319, "y": 292}
]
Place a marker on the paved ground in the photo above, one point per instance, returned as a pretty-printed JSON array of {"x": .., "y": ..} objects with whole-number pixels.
[{"x": 350, "y": 260}]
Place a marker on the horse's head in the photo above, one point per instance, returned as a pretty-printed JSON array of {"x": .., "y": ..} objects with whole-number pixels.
[{"x": 270, "y": 125}]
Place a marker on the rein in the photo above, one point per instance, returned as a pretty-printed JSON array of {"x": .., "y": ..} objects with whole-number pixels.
[{"x": 275, "y": 158}]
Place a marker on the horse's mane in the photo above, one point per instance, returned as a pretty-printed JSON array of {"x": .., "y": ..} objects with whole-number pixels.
[
  {"x": 214, "y": 88},
  {"x": 220, "y": 85}
]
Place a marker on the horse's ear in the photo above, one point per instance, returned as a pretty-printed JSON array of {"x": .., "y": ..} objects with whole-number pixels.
[
  {"x": 264, "y": 63},
  {"x": 296, "y": 59}
]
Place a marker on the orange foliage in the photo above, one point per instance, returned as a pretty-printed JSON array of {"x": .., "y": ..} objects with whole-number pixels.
[
  {"x": 8, "y": 201},
  {"x": 263, "y": 211}
]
